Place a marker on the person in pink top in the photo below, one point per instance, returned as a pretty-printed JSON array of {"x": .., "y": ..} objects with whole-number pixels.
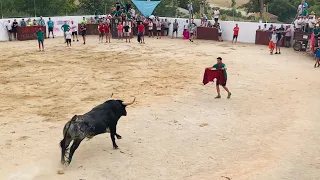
[
  {"x": 120, "y": 31},
  {"x": 288, "y": 36}
]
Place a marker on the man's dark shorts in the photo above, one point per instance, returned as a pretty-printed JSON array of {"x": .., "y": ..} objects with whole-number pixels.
[
  {"x": 175, "y": 30},
  {"x": 288, "y": 38},
  {"x": 75, "y": 33},
  {"x": 84, "y": 33},
  {"x": 141, "y": 34},
  {"x": 223, "y": 84},
  {"x": 235, "y": 36},
  {"x": 50, "y": 29},
  {"x": 216, "y": 19},
  {"x": 40, "y": 41}
]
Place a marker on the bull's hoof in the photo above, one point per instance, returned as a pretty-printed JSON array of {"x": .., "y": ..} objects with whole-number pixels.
[{"x": 115, "y": 147}]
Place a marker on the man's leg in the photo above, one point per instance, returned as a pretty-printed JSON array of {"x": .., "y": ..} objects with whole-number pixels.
[
  {"x": 218, "y": 91},
  {"x": 229, "y": 93}
]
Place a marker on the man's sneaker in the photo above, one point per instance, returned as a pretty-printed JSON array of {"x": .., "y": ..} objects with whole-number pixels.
[
  {"x": 218, "y": 97},
  {"x": 276, "y": 53},
  {"x": 229, "y": 95},
  {"x": 279, "y": 52},
  {"x": 77, "y": 40}
]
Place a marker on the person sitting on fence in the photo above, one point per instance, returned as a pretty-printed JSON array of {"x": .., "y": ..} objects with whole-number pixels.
[
  {"x": 271, "y": 27},
  {"x": 34, "y": 23},
  {"x": 305, "y": 24},
  {"x": 298, "y": 23},
  {"x": 23, "y": 23},
  {"x": 204, "y": 20},
  {"x": 312, "y": 23}
]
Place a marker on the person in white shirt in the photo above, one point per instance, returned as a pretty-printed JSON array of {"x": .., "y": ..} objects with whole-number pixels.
[
  {"x": 300, "y": 9},
  {"x": 312, "y": 23},
  {"x": 219, "y": 32},
  {"x": 216, "y": 14},
  {"x": 298, "y": 23},
  {"x": 68, "y": 38},
  {"x": 133, "y": 12},
  {"x": 74, "y": 29},
  {"x": 150, "y": 27},
  {"x": 265, "y": 28},
  {"x": 190, "y": 8},
  {"x": 186, "y": 25},
  {"x": 305, "y": 23},
  {"x": 158, "y": 26},
  {"x": 8, "y": 26}
]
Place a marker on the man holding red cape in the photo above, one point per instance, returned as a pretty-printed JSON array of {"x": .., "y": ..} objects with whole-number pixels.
[{"x": 219, "y": 72}]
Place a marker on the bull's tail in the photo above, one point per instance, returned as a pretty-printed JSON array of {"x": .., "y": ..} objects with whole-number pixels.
[{"x": 64, "y": 143}]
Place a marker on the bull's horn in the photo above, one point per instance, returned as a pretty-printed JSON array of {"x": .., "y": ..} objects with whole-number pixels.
[
  {"x": 127, "y": 104},
  {"x": 111, "y": 96}
]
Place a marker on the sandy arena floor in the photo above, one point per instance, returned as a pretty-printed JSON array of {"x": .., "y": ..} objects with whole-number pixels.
[{"x": 268, "y": 130}]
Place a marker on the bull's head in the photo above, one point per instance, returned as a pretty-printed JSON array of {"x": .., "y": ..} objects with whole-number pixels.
[{"x": 125, "y": 104}]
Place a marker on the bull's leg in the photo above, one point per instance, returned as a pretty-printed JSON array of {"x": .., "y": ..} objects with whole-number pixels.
[
  {"x": 118, "y": 136},
  {"x": 113, "y": 130},
  {"x": 73, "y": 148},
  {"x": 64, "y": 145}
]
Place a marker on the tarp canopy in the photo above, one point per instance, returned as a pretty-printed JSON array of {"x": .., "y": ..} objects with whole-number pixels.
[{"x": 146, "y": 7}]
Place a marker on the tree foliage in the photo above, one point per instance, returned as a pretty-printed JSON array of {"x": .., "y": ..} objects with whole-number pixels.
[{"x": 286, "y": 10}]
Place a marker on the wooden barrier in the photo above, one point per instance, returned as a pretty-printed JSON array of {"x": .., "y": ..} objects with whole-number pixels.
[
  {"x": 207, "y": 33},
  {"x": 263, "y": 37},
  {"x": 298, "y": 35},
  {"x": 28, "y": 32}
]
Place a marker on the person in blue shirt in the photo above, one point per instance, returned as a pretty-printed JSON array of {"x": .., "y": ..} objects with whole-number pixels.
[{"x": 317, "y": 55}]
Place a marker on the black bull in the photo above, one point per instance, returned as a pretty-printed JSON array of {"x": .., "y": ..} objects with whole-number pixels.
[{"x": 97, "y": 121}]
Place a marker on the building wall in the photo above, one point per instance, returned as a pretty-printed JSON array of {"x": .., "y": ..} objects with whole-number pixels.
[{"x": 247, "y": 31}]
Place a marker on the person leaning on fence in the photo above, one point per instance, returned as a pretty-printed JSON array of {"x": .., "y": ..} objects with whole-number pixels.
[
  {"x": 23, "y": 23},
  {"x": 41, "y": 22},
  {"x": 9, "y": 29}
]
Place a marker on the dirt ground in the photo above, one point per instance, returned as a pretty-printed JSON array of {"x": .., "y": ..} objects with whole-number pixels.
[{"x": 268, "y": 130}]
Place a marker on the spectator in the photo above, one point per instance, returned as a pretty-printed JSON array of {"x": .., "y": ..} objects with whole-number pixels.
[
  {"x": 9, "y": 29},
  {"x": 133, "y": 12},
  {"x": 278, "y": 44},
  {"x": 219, "y": 33},
  {"x": 40, "y": 35},
  {"x": 300, "y": 8},
  {"x": 204, "y": 20},
  {"x": 298, "y": 23},
  {"x": 141, "y": 32},
  {"x": 281, "y": 28},
  {"x": 186, "y": 25},
  {"x": 127, "y": 31},
  {"x": 209, "y": 24},
  {"x": 23, "y": 23},
  {"x": 259, "y": 28},
  {"x": 190, "y": 8},
  {"x": 166, "y": 25},
  {"x": 14, "y": 29},
  {"x": 41, "y": 22},
  {"x": 29, "y": 22},
  {"x": 235, "y": 33},
  {"x": 175, "y": 28},
  {"x": 150, "y": 27},
  {"x": 158, "y": 26},
  {"x": 271, "y": 27},
  {"x": 84, "y": 21},
  {"x": 65, "y": 28},
  {"x": 74, "y": 30},
  {"x": 312, "y": 23},
  {"x": 50, "y": 27},
  {"x": 34, "y": 23},
  {"x": 304, "y": 24},
  {"x": 83, "y": 30},
  {"x": 288, "y": 37},
  {"x": 265, "y": 27},
  {"x": 216, "y": 14},
  {"x": 305, "y": 12}
]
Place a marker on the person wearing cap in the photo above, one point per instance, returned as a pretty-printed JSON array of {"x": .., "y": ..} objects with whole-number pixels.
[{"x": 221, "y": 66}]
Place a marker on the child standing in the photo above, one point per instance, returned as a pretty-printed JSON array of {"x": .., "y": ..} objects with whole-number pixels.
[
  {"x": 68, "y": 38},
  {"x": 317, "y": 55},
  {"x": 273, "y": 40},
  {"x": 127, "y": 30},
  {"x": 40, "y": 36},
  {"x": 107, "y": 31},
  {"x": 101, "y": 29},
  {"x": 120, "y": 31},
  {"x": 141, "y": 32}
]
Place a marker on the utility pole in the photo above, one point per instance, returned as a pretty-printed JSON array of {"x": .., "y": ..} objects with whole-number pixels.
[
  {"x": 261, "y": 10},
  {"x": 35, "y": 10},
  {"x": 1, "y": 10}
]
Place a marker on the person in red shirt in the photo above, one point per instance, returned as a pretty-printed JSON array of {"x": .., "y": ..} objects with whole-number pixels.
[
  {"x": 235, "y": 33},
  {"x": 141, "y": 32},
  {"x": 101, "y": 29},
  {"x": 107, "y": 31}
]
